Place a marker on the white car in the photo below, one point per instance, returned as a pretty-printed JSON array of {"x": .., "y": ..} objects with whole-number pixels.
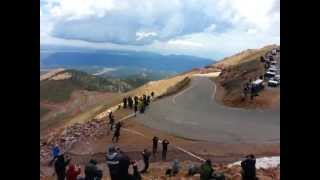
[
  {"x": 273, "y": 63},
  {"x": 273, "y": 83},
  {"x": 274, "y": 52}
]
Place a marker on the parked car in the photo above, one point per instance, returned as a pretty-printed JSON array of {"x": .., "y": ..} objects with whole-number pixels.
[
  {"x": 274, "y": 52},
  {"x": 273, "y": 63},
  {"x": 269, "y": 74},
  {"x": 273, "y": 83}
]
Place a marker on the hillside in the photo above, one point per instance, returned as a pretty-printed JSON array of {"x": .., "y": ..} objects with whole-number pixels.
[
  {"x": 240, "y": 69},
  {"x": 60, "y": 87}
]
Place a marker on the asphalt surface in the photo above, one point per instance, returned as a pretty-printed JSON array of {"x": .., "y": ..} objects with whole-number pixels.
[{"x": 193, "y": 113}]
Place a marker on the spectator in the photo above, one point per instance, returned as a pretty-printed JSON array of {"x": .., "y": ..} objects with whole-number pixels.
[
  {"x": 249, "y": 168},
  {"x": 136, "y": 173},
  {"x": 206, "y": 170},
  {"x": 124, "y": 102},
  {"x": 146, "y": 156},
  {"x": 174, "y": 169},
  {"x": 72, "y": 172},
  {"x": 116, "y": 134},
  {"x": 193, "y": 169},
  {"x": 111, "y": 120},
  {"x": 92, "y": 172},
  {"x": 60, "y": 166},
  {"x": 165, "y": 143},
  {"x": 155, "y": 141},
  {"x": 55, "y": 153},
  {"x": 124, "y": 163},
  {"x": 113, "y": 159}
]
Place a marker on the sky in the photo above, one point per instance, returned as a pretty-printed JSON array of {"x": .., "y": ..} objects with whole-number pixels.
[{"x": 205, "y": 28}]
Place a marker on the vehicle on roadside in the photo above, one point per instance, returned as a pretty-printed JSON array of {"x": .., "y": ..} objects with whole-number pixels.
[
  {"x": 273, "y": 82},
  {"x": 274, "y": 52},
  {"x": 257, "y": 85},
  {"x": 273, "y": 63},
  {"x": 270, "y": 74}
]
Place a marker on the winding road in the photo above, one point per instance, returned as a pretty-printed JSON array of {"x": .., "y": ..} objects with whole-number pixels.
[{"x": 194, "y": 114}]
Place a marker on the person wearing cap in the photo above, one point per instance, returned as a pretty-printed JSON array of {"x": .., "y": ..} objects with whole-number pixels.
[
  {"x": 249, "y": 168},
  {"x": 113, "y": 160},
  {"x": 92, "y": 172}
]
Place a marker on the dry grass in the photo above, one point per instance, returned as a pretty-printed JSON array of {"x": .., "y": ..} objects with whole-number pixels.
[
  {"x": 177, "y": 87},
  {"x": 50, "y": 74}
]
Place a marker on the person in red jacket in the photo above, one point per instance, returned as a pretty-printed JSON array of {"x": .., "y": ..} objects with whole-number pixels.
[{"x": 72, "y": 173}]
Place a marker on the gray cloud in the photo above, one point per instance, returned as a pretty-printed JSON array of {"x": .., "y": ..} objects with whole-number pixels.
[{"x": 167, "y": 21}]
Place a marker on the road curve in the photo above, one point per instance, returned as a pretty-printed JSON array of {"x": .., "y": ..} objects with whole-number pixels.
[{"x": 195, "y": 114}]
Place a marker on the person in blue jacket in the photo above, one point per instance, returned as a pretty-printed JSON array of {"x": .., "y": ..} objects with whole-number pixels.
[{"x": 55, "y": 153}]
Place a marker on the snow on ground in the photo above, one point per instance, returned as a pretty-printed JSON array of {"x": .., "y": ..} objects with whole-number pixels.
[
  {"x": 265, "y": 162},
  {"x": 213, "y": 74}
]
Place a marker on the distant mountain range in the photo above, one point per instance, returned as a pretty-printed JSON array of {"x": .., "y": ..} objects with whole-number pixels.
[{"x": 75, "y": 58}]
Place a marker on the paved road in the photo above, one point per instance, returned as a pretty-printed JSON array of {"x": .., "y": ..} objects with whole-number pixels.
[{"x": 194, "y": 114}]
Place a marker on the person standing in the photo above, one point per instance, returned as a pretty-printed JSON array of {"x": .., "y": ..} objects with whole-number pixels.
[
  {"x": 55, "y": 153},
  {"x": 155, "y": 141},
  {"x": 140, "y": 105},
  {"x": 92, "y": 172},
  {"x": 60, "y": 167},
  {"x": 116, "y": 134},
  {"x": 111, "y": 120},
  {"x": 136, "y": 173},
  {"x": 113, "y": 163},
  {"x": 124, "y": 102},
  {"x": 148, "y": 100},
  {"x": 165, "y": 143},
  {"x": 249, "y": 168},
  {"x": 124, "y": 163},
  {"x": 135, "y": 109},
  {"x": 145, "y": 155},
  {"x": 206, "y": 170},
  {"x": 73, "y": 172},
  {"x": 136, "y": 100},
  {"x": 130, "y": 103}
]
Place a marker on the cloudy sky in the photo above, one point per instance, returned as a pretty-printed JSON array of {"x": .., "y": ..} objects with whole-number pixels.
[{"x": 205, "y": 28}]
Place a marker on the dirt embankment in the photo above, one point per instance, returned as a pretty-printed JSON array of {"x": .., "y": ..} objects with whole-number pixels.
[{"x": 238, "y": 70}]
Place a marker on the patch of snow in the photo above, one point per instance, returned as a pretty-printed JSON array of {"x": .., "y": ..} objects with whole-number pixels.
[
  {"x": 213, "y": 74},
  {"x": 264, "y": 162},
  {"x": 104, "y": 70},
  {"x": 61, "y": 76}
]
